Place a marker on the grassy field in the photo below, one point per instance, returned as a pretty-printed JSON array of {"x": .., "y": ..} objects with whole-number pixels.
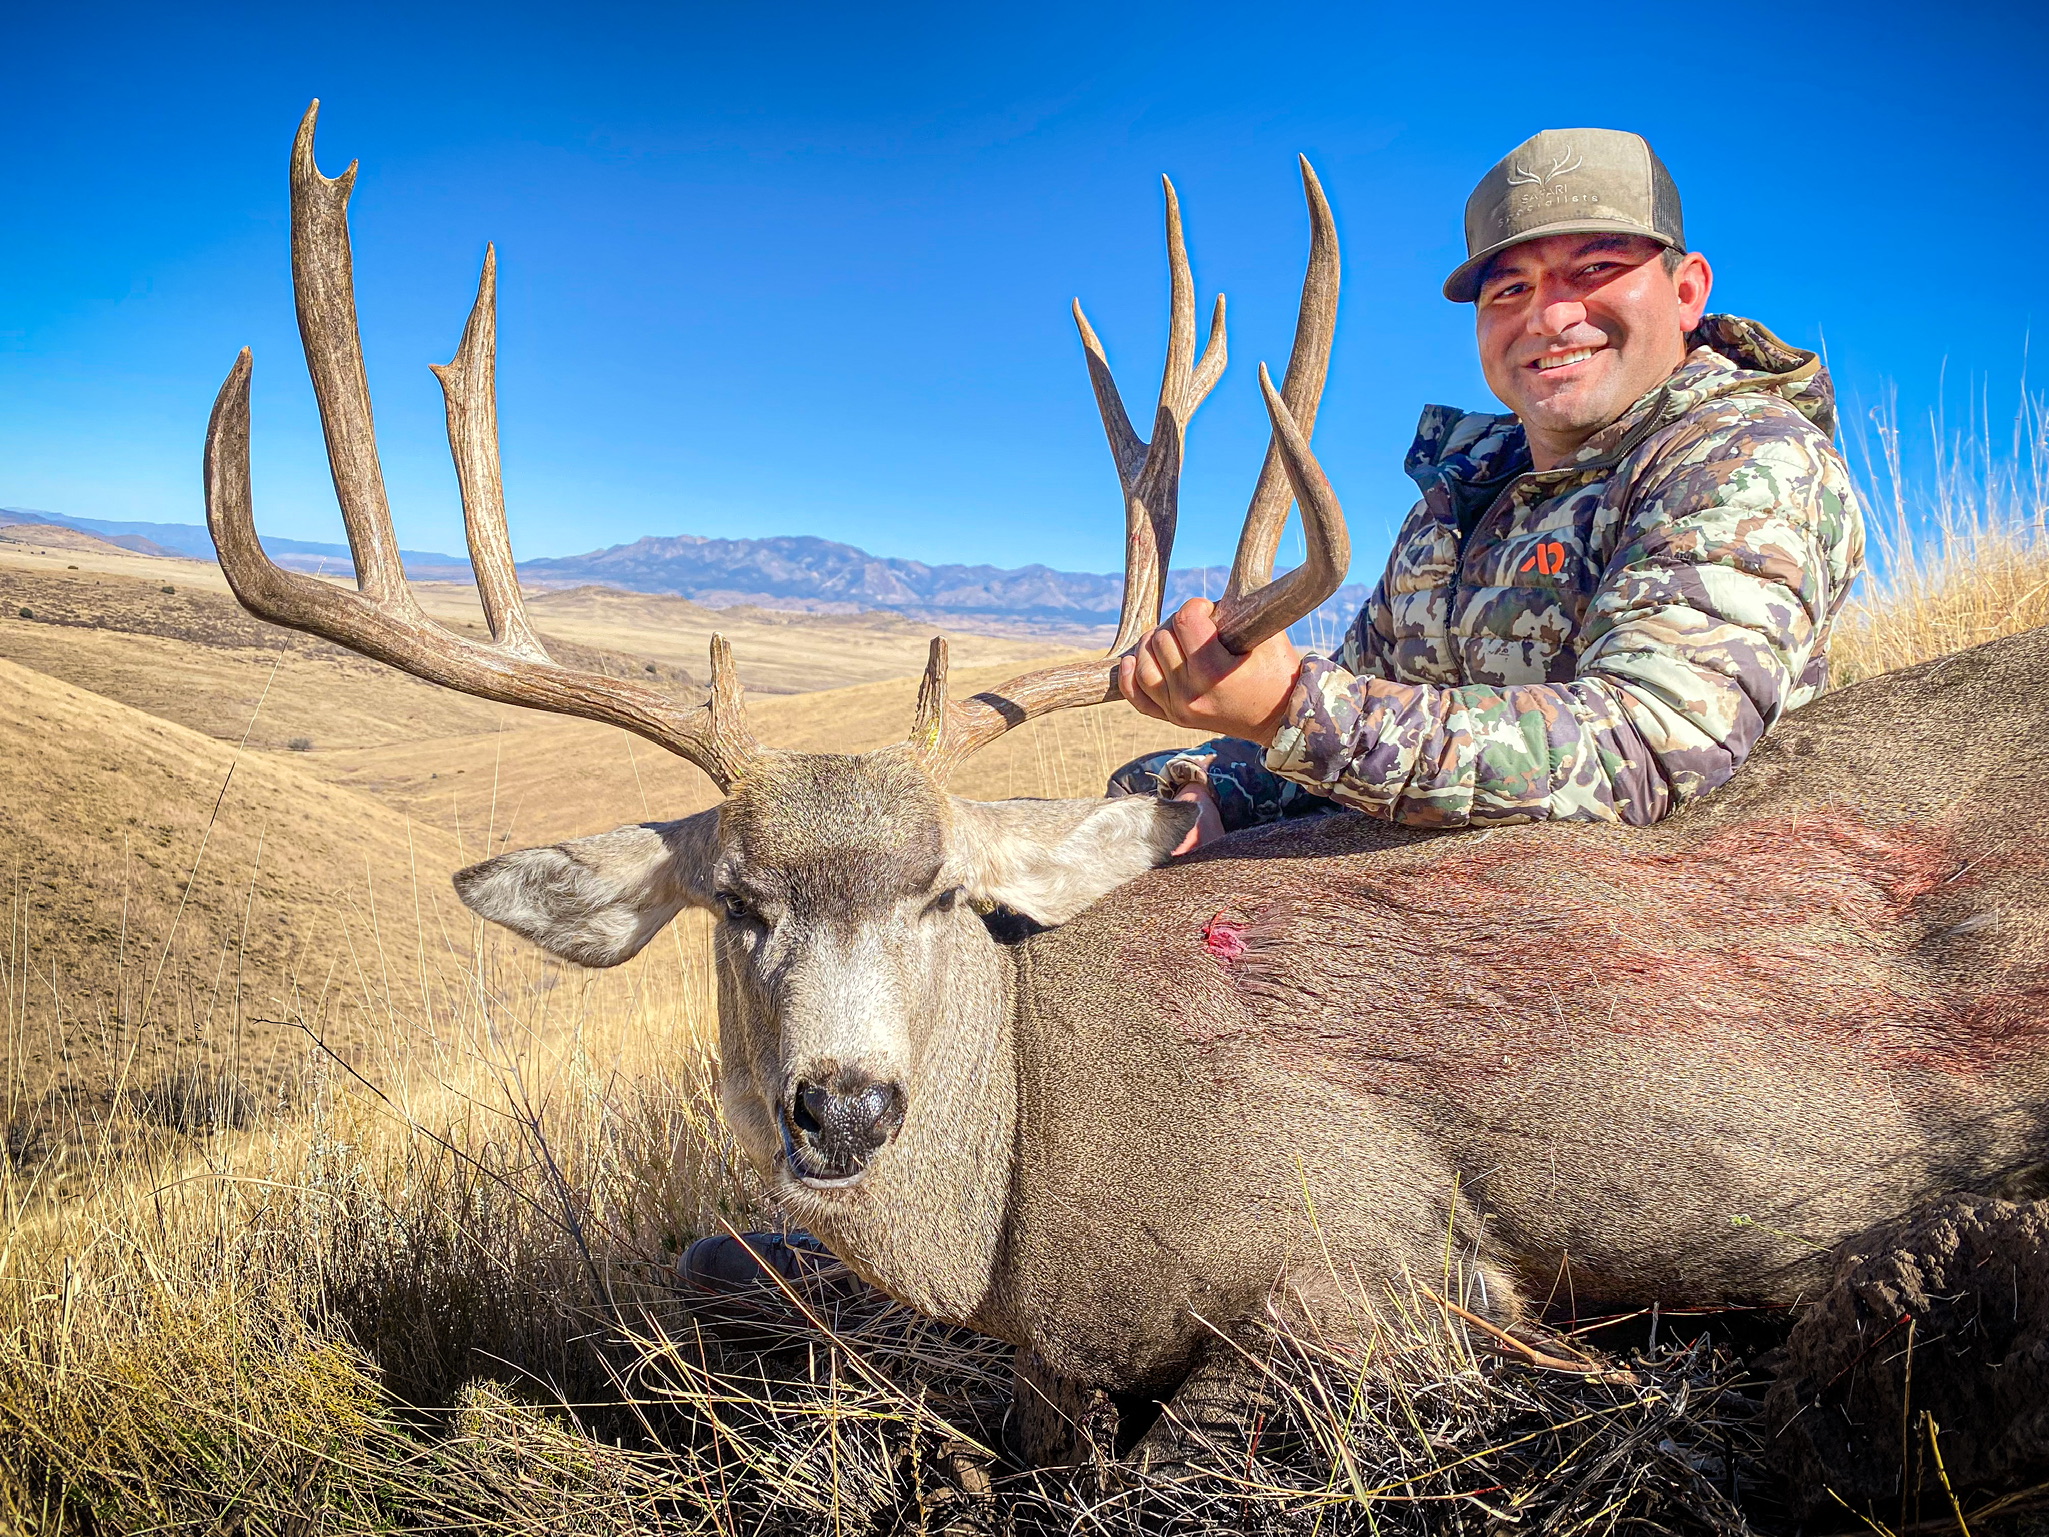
[
  {"x": 323, "y": 1206},
  {"x": 328, "y": 1211}
]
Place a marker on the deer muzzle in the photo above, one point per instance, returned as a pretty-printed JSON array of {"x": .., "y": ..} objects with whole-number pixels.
[{"x": 832, "y": 1130}]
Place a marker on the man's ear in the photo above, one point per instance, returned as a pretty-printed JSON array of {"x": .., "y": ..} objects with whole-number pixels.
[
  {"x": 1050, "y": 859},
  {"x": 597, "y": 900}
]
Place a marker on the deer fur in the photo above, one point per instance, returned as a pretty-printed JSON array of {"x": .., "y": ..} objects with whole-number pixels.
[{"x": 1672, "y": 1064}]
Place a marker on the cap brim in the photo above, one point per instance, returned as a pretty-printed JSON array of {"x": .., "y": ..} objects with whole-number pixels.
[{"x": 1463, "y": 286}]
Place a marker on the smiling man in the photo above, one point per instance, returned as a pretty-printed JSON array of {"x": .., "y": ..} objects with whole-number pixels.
[{"x": 1604, "y": 598}]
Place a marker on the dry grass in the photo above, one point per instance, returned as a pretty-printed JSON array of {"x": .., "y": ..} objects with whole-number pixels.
[
  {"x": 1958, "y": 559},
  {"x": 413, "y": 1273},
  {"x": 165, "y": 894},
  {"x": 436, "y": 1296},
  {"x": 266, "y": 1326}
]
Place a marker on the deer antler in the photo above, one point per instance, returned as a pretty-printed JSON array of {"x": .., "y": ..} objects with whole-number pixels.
[
  {"x": 1254, "y": 607},
  {"x": 381, "y": 619}
]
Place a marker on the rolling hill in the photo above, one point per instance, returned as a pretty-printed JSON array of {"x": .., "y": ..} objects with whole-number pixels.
[{"x": 179, "y": 909}]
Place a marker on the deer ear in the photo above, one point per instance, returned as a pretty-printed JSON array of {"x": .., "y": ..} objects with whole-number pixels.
[
  {"x": 597, "y": 900},
  {"x": 1050, "y": 859}
]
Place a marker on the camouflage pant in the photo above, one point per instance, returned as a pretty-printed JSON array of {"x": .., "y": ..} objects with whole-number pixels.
[{"x": 1247, "y": 793}]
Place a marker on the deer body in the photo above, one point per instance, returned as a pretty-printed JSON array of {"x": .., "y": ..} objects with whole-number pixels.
[
  {"x": 1304, "y": 1065},
  {"x": 1665, "y": 1065}
]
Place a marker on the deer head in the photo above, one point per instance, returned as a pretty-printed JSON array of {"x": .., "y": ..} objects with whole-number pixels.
[{"x": 852, "y": 891}]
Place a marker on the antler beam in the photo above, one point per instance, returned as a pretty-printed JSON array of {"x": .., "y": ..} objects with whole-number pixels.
[{"x": 381, "y": 619}]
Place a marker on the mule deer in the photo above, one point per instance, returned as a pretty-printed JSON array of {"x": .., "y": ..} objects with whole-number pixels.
[{"x": 1669, "y": 1064}]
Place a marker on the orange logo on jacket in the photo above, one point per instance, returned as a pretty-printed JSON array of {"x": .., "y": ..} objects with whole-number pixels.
[{"x": 1547, "y": 559}]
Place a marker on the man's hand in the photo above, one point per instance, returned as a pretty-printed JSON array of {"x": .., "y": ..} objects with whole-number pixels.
[{"x": 1182, "y": 673}]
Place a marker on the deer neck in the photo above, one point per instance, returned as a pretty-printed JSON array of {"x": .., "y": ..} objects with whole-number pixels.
[{"x": 926, "y": 1224}]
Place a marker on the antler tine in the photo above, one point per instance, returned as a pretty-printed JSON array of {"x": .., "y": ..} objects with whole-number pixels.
[
  {"x": 380, "y": 619},
  {"x": 1127, "y": 448},
  {"x": 324, "y": 285},
  {"x": 1180, "y": 358},
  {"x": 928, "y": 731},
  {"x": 469, "y": 385},
  {"x": 1187, "y": 380},
  {"x": 1301, "y": 387},
  {"x": 1243, "y": 621}
]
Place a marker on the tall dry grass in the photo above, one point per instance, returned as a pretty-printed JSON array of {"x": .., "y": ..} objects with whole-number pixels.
[
  {"x": 1960, "y": 551},
  {"x": 429, "y": 1285},
  {"x": 234, "y": 1313}
]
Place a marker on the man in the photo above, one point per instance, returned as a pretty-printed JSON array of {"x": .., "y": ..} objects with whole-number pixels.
[{"x": 1604, "y": 598}]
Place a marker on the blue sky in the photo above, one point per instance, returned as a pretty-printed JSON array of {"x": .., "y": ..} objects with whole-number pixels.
[{"x": 805, "y": 269}]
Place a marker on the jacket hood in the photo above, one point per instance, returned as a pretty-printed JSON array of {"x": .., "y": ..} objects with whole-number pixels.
[
  {"x": 1728, "y": 355},
  {"x": 1473, "y": 451}
]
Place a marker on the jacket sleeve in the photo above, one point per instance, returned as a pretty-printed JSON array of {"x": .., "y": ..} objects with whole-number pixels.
[{"x": 1733, "y": 558}]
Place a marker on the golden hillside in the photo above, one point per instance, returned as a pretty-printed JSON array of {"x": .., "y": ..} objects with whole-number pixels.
[
  {"x": 178, "y": 909},
  {"x": 223, "y": 838}
]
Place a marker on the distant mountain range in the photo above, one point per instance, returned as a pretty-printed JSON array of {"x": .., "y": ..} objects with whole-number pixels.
[
  {"x": 195, "y": 543},
  {"x": 794, "y": 572}
]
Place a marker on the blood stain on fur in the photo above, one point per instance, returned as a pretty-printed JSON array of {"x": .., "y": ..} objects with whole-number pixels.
[{"x": 1791, "y": 936}]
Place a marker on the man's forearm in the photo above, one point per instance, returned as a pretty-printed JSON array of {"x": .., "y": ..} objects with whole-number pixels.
[{"x": 1474, "y": 755}]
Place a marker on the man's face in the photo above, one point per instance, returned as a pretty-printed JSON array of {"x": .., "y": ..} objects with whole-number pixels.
[{"x": 1574, "y": 329}]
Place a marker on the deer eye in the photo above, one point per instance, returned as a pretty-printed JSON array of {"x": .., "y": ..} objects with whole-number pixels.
[
  {"x": 946, "y": 900},
  {"x": 734, "y": 906}
]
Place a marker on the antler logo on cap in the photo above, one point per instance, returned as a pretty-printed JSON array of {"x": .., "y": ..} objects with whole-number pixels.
[{"x": 1522, "y": 176}]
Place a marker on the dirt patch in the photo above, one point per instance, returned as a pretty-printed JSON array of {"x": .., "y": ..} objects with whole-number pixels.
[{"x": 1935, "y": 1333}]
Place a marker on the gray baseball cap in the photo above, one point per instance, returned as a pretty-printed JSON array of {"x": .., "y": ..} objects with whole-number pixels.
[{"x": 1567, "y": 181}]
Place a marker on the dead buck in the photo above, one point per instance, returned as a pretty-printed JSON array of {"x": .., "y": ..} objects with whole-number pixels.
[{"x": 1618, "y": 1064}]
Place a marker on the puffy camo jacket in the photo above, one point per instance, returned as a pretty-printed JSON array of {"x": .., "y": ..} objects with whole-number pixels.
[{"x": 1600, "y": 641}]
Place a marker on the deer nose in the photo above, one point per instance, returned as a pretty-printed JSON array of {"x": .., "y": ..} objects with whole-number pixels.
[{"x": 834, "y": 1128}]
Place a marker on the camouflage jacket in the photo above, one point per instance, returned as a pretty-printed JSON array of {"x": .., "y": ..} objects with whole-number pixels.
[{"x": 1604, "y": 640}]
